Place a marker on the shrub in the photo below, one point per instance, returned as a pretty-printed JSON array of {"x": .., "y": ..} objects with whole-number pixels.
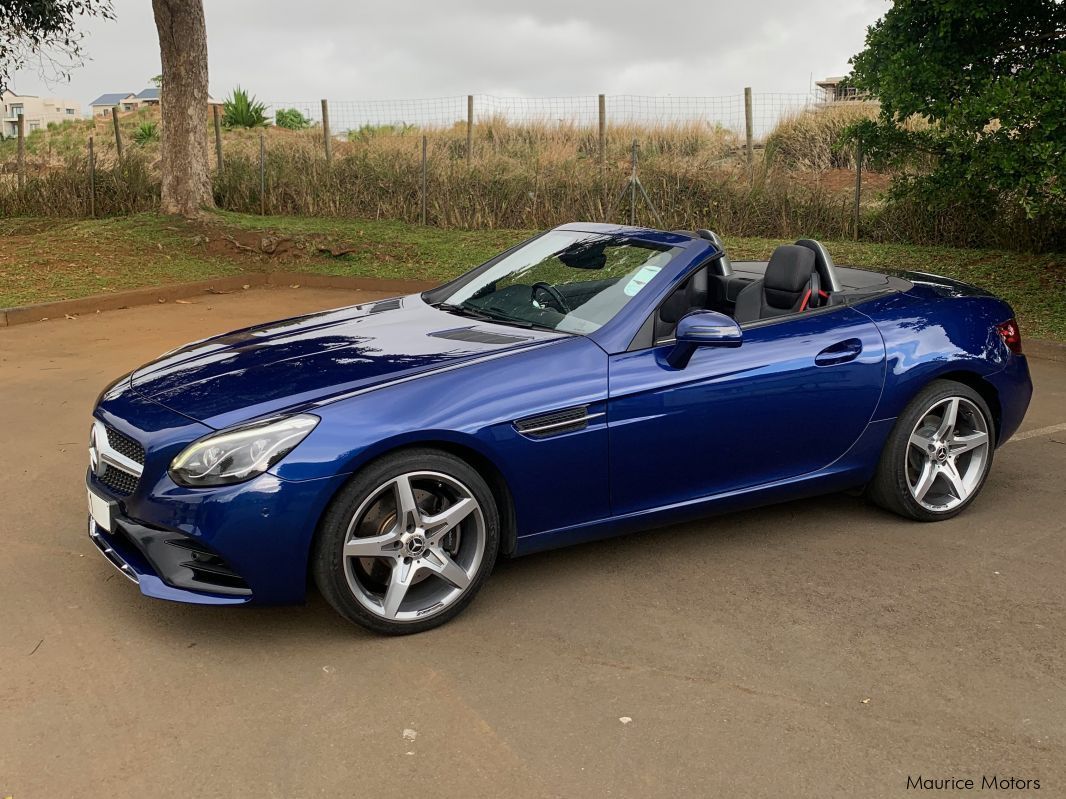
[{"x": 291, "y": 118}]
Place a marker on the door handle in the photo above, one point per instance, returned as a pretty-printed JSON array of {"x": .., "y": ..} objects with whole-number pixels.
[{"x": 841, "y": 352}]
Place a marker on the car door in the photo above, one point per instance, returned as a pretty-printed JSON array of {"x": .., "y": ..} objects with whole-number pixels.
[{"x": 790, "y": 400}]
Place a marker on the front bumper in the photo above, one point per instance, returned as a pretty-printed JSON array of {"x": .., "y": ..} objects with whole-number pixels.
[
  {"x": 132, "y": 563},
  {"x": 226, "y": 546}
]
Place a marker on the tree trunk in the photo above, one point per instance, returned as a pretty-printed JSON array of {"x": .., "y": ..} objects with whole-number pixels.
[{"x": 183, "y": 105}]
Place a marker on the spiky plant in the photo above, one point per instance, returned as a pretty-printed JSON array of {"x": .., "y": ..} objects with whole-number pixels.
[
  {"x": 242, "y": 110},
  {"x": 146, "y": 132}
]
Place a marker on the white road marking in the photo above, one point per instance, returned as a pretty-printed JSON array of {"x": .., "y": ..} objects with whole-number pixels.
[{"x": 1042, "y": 431}]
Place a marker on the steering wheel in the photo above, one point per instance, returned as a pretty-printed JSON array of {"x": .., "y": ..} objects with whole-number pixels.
[{"x": 555, "y": 296}]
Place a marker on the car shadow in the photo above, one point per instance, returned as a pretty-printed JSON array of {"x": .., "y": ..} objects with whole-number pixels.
[{"x": 315, "y": 621}]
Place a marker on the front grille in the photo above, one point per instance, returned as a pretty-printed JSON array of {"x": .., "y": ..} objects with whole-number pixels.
[
  {"x": 124, "y": 445},
  {"x": 122, "y": 483}
]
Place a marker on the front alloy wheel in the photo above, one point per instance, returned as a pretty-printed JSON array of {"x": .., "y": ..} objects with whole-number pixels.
[{"x": 406, "y": 545}]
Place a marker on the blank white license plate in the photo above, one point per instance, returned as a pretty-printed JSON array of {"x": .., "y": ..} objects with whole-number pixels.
[{"x": 100, "y": 510}]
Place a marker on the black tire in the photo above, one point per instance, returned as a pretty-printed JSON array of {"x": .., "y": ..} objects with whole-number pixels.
[
  {"x": 328, "y": 563},
  {"x": 890, "y": 488}
]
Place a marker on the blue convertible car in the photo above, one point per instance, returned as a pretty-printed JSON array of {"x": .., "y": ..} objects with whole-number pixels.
[{"x": 591, "y": 381}]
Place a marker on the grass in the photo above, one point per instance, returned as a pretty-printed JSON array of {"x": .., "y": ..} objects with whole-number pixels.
[{"x": 47, "y": 259}]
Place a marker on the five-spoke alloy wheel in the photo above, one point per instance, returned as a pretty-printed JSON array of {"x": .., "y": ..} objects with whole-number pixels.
[
  {"x": 408, "y": 542},
  {"x": 938, "y": 455}
]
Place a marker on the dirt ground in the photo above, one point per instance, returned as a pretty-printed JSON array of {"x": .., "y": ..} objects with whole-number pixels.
[{"x": 814, "y": 649}]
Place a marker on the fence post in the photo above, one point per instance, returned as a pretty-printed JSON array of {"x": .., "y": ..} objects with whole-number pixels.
[
  {"x": 858, "y": 184},
  {"x": 92, "y": 179},
  {"x": 326, "y": 137},
  {"x": 262, "y": 174},
  {"x": 118, "y": 134},
  {"x": 424, "y": 181},
  {"x": 633, "y": 186},
  {"x": 603, "y": 152},
  {"x": 22, "y": 151},
  {"x": 469, "y": 129},
  {"x": 218, "y": 136},
  {"x": 748, "y": 125}
]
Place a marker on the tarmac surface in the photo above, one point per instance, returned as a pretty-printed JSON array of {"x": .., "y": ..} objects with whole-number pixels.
[{"x": 815, "y": 649}]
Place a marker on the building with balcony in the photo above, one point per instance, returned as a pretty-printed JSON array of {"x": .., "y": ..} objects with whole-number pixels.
[{"x": 37, "y": 112}]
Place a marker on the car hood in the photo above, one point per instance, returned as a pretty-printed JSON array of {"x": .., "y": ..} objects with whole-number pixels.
[{"x": 295, "y": 362}]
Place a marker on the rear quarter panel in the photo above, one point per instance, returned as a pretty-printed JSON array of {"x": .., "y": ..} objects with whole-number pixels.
[{"x": 929, "y": 333}]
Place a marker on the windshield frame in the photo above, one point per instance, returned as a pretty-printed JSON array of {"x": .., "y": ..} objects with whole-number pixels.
[{"x": 444, "y": 296}]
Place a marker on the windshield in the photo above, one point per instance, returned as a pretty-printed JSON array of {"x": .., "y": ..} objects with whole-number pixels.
[{"x": 564, "y": 280}]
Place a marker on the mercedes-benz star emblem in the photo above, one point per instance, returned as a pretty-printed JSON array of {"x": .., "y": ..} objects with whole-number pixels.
[{"x": 96, "y": 463}]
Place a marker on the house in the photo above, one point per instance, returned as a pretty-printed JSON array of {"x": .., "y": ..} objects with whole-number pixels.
[
  {"x": 123, "y": 101},
  {"x": 148, "y": 96},
  {"x": 128, "y": 101},
  {"x": 37, "y": 112},
  {"x": 835, "y": 90}
]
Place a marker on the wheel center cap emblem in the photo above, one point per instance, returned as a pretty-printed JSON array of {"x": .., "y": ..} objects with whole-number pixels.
[
  {"x": 941, "y": 454},
  {"x": 416, "y": 545}
]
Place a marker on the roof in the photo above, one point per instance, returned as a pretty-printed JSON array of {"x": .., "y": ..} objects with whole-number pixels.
[
  {"x": 148, "y": 94},
  {"x": 111, "y": 99}
]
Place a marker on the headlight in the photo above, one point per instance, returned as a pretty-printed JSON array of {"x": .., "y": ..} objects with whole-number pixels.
[{"x": 233, "y": 456}]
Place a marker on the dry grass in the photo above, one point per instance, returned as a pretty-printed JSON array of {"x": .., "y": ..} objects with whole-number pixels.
[
  {"x": 809, "y": 141},
  {"x": 522, "y": 177}
]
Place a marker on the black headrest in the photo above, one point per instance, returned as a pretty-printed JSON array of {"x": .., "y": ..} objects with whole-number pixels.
[
  {"x": 789, "y": 269},
  {"x": 823, "y": 262}
]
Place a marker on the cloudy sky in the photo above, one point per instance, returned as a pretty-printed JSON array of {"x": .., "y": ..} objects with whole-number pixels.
[{"x": 352, "y": 50}]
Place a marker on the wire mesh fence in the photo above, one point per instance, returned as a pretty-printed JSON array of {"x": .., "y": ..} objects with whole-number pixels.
[{"x": 727, "y": 111}]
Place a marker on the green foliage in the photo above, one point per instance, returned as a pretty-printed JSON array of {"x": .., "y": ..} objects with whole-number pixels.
[
  {"x": 30, "y": 28},
  {"x": 157, "y": 81},
  {"x": 367, "y": 132},
  {"x": 146, "y": 133},
  {"x": 242, "y": 110},
  {"x": 291, "y": 118},
  {"x": 989, "y": 76}
]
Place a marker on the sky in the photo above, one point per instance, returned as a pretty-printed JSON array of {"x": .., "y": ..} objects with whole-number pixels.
[{"x": 302, "y": 51}]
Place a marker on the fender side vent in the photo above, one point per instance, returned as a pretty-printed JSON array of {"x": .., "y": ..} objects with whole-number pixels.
[
  {"x": 476, "y": 336},
  {"x": 555, "y": 423}
]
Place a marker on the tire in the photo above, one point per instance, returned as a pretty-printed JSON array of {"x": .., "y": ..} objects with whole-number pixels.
[
  {"x": 407, "y": 543},
  {"x": 932, "y": 468}
]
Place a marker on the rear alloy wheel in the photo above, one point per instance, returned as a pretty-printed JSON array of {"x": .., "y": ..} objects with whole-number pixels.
[
  {"x": 939, "y": 454},
  {"x": 407, "y": 544}
]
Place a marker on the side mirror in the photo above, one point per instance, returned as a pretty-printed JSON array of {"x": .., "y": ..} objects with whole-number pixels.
[{"x": 702, "y": 329}]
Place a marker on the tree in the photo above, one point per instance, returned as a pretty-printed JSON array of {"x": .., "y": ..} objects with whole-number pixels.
[
  {"x": 157, "y": 81},
  {"x": 291, "y": 118},
  {"x": 989, "y": 76},
  {"x": 186, "y": 180},
  {"x": 45, "y": 29}
]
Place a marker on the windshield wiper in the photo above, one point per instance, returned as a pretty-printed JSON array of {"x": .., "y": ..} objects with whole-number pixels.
[
  {"x": 461, "y": 310},
  {"x": 477, "y": 312}
]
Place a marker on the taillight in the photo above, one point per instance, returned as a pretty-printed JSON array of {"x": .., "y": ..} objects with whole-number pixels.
[{"x": 1011, "y": 335}]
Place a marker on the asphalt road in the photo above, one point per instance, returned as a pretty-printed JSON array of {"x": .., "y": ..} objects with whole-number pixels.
[{"x": 816, "y": 649}]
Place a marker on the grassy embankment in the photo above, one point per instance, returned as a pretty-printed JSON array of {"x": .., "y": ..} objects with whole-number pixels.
[{"x": 43, "y": 260}]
